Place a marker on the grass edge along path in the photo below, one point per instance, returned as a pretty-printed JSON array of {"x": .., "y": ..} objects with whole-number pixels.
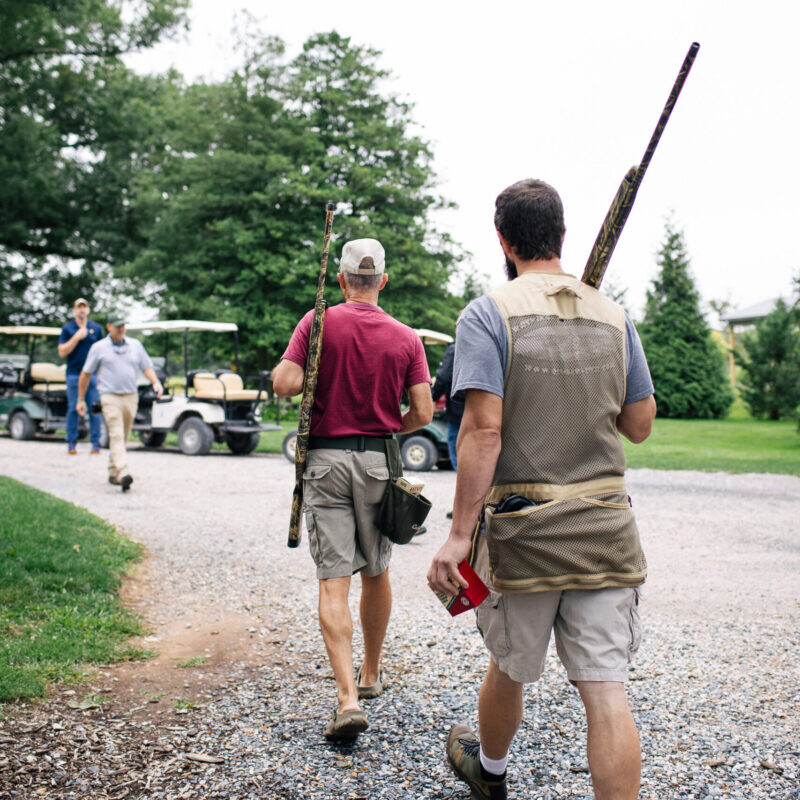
[
  {"x": 60, "y": 571},
  {"x": 719, "y": 445}
]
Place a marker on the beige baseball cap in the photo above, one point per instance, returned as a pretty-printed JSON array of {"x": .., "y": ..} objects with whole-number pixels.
[
  {"x": 81, "y": 301},
  {"x": 363, "y": 257}
]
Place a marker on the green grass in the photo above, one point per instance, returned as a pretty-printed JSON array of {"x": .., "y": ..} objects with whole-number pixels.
[
  {"x": 736, "y": 444},
  {"x": 195, "y": 661},
  {"x": 60, "y": 569}
]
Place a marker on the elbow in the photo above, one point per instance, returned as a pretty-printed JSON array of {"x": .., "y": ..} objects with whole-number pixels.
[
  {"x": 283, "y": 388},
  {"x": 639, "y": 433},
  {"x": 488, "y": 438}
]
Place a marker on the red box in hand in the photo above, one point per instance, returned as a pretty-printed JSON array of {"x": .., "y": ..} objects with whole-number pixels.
[{"x": 471, "y": 597}]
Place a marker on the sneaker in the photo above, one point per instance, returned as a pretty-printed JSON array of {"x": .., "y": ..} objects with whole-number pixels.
[
  {"x": 95, "y": 451},
  {"x": 449, "y": 515},
  {"x": 71, "y": 451},
  {"x": 113, "y": 480},
  {"x": 125, "y": 482},
  {"x": 463, "y": 753}
]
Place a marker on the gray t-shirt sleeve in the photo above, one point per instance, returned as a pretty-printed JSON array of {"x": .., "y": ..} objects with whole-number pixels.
[
  {"x": 482, "y": 353},
  {"x": 639, "y": 383},
  {"x": 92, "y": 358},
  {"x": 481, "y": 349},
  {"x": 142, "y": 359}
]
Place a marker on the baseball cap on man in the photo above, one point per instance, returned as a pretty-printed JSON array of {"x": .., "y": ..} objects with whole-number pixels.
[
  {"x": 81, "y": 301},
  {"x": 117, "y": 318},
  {"x": 363, "y": 257}
]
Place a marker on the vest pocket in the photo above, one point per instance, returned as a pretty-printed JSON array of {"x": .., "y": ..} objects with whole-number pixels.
[{"x": 584, "y": 542}]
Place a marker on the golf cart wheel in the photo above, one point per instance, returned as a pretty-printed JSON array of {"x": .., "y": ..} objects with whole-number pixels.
[
  {"x": 21, "y": 426},
  {"x": 152, "y": 438},
  {"x": 241, "y": 444},
  {"x": 290, "y": 445},
  {"x": 195, "y": 437},
  {"x": 419, "y": 453}
]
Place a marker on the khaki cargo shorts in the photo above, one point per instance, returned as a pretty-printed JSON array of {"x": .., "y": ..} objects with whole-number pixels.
[
  {"x": 597, "y": 631},
  {"x": 342, "y": 491}
]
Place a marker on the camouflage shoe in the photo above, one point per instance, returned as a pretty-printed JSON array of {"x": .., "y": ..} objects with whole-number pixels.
[{"x": 463, "y": 753}]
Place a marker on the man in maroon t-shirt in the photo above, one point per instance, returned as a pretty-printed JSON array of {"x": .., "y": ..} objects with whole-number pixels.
[{"x": 368, "y": 359}]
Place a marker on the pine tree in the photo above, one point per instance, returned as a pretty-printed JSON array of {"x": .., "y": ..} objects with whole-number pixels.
[
  {"x": 770, "y": 384},
  {"x": 687, "y": 366}
]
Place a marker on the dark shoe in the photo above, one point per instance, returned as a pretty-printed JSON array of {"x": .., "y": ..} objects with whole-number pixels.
[
  {"x": 113, "y": 480},
  {"x": 125, "y": 482},
  {"x": 370, "y": 692},
  {"x": 449, "y": 515},
  {"x": 346, "y": 725},
  {"x": 463, "y": 753}
]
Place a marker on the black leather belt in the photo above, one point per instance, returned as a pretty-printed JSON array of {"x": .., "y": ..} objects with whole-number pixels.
[{"x": 360, "y": 443}]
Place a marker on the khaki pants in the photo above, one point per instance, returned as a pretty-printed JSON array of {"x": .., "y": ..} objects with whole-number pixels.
[{"x": 118, "y": 412}]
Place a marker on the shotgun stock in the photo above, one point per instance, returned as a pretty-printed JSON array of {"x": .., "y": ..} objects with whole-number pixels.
[
  {"x": 309, "y": 385},
  {"x": 617, "y": 215}
]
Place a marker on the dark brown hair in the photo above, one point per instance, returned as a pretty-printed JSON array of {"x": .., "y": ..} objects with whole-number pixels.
[{"x": 530, "y": 216}]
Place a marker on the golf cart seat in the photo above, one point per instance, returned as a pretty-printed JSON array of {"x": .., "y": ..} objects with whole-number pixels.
[
  {"x": 47, "y": 377},
  {"x": 225, "y": 386}
]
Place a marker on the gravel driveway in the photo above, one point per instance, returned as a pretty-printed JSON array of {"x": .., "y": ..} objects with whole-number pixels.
[{"x": 715, "y": 689}]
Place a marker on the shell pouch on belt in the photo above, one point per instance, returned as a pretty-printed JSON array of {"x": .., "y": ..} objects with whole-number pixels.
[
  {"x": 578, "y": 543},
  {"x": 403, "y": 509}
]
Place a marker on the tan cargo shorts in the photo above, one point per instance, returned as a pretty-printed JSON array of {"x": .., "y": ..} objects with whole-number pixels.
[
  {"x": 343, "y": 490},
  {"x": 597, "y": 631}
]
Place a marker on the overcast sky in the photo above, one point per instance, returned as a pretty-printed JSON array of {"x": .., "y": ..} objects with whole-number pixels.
[{"x": 570, "y": 92}]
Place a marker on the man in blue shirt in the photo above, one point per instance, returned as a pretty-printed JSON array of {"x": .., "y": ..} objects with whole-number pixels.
[{"x": 77, "y": 338}]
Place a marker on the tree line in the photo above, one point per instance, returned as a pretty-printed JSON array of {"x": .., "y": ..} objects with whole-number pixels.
[{"x": 205, "y": 199}]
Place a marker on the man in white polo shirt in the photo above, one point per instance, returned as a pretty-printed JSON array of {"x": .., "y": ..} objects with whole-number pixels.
[{"x": 117, "y": 361}]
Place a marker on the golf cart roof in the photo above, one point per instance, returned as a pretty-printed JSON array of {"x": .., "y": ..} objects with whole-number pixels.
[
  {"x": 432, "y": 337},
  {"x": 29, "y": 330},
  {"x": 183, "y": 325}
]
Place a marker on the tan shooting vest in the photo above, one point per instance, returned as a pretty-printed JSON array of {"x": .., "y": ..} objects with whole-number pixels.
[{"x": 564, "y": 387}]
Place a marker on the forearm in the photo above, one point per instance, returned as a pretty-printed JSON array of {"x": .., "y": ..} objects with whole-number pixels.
[
  {"x": 83, "y": 384},
  {"x": 478, "y": 451},
  {"x": 150, "y": 374},
  {"x": 413, "y": 420},
  {"x": 65, "y": 349}
]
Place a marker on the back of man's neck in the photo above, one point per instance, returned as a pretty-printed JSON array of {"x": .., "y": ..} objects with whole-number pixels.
[{"x": 550, "y": 265}]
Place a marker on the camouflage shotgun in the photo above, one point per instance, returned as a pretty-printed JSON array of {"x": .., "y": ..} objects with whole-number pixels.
[
  {"x": 309, "y": 385},
  {"x": 618, "y": 213}
]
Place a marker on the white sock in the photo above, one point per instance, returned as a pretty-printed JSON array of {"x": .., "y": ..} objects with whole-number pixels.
[{"x": 496, "y": 766}]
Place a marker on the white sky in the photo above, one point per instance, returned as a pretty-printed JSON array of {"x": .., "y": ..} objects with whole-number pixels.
[{"x": 570, "y": 91}]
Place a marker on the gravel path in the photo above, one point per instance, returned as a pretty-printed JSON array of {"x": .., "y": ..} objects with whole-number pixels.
[{"x": 715, "y": 689}]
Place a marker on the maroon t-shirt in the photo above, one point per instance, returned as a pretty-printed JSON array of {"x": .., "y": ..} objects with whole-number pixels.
[{"x": 368, "y": 358}]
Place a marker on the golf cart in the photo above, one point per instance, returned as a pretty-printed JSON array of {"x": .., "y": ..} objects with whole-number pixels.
[
  {"x": 33, "y": 394},
  {"x": 214, "y": 406},
  {"x": 423, "y": 449}
]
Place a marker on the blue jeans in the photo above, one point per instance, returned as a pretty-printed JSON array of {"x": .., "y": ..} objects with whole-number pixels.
[
  {"x": 452, "y": 438},
  {"x": 92, "y": 396}
]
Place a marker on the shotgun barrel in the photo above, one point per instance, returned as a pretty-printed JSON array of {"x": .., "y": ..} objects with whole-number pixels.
[
  {"x": 310, "y": 384},
  {"x": 617, "y": 215}
]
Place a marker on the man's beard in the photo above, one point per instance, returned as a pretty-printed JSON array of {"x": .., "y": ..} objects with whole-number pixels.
[{"x": 511, "y": 269}]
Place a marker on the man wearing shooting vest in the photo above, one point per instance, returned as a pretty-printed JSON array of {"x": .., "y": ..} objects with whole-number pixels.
[
  {"x": 553, "y": 372},
  {"x": 368, "y": 360}
]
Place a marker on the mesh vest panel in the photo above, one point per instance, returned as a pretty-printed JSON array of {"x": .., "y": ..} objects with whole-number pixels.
[{"x": 563, "y": 392}]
